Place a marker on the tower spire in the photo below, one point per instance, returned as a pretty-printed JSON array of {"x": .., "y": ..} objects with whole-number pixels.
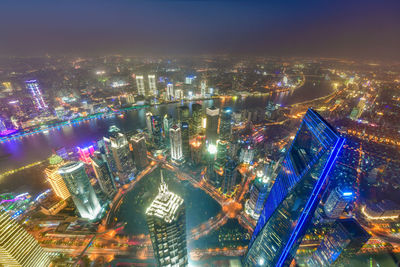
[{"x": 163, "y": 186}]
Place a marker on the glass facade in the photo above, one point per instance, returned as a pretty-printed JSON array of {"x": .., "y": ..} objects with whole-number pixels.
[{"x": 296, "y": 193}]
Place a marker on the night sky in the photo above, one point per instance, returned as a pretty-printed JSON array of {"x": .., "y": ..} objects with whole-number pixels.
[{"x": 368, "y": 29}]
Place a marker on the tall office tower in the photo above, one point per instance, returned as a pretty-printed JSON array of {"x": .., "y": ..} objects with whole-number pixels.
[
  {"x": 203, "y": 88},
  {"x": 212, "y": 114},
  {"x": 225, "y": 126},
  {"x": 246, "y": 154},
  {"x": 156, "y": 125},
  {"x": 185, "y": 139},
  {"x": 222, "y": 156},
  {"x": 81, "y": 190},
  {"x": 139, "y": 149},
  {"x": 152, "y": 84},
  {"x": 196, "y": 120},
  {"x": 230, "y": 177},
  {"x": 175, "y": 140},
  {"x": 196, "y": 149},
  {"x": 170, "y": 91},
  {"x": 103, "y": 174},
  {"x": 167, "y": 226},
  {"x": 56, "y": 181},
  {"x": 17, "y": 246},
  {"x": 178, "y": 94},
  {"x": 140, "y": 85},
  {"x": 183, "y": 114},
  {"x": 148, "y": 122},
  {"x": 337, "y": 202},
  {"x": 121, "y": 154},
  {"x": 258, "y": 195},
  {"x": 85, "y": 153},
  {"x": 167, "y": 124},
  {"x": 346, "y": 238},
  {"x": 296, "y": 192},
  {"x": 36, "y": 93}
]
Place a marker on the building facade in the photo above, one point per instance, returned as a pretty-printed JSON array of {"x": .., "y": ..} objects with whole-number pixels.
[
  {"x": 295, "y": 194},
  {"x": 166, "y": 220},
  {"x": 81, "y": 190}
]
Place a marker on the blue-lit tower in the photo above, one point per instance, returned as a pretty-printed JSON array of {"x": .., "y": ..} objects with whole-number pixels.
[
  {"x": 337, "y": 202},
  {"x": 297, "y": 191},
  {"x": 346, "y": 238},
  {"x": 36, "y": 93}
]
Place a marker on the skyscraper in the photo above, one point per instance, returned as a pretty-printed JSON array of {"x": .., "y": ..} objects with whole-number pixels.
[
  {"x": 230, "y": 177},
  {"x": 167, "y": 226},
  {"x": 156, "y": 125},
  {"x": 337, "y": 202},
  {"x": 140, "y": 85},
  {"x": 103, "y": 174},
  {"x": 56, "y": 181},
  {"x": 225, "y": 126},
  {"x": 81, "y": 190},
  {"x": 203, "y": 88},
  {"x": 121, "y": 154},
  {"x": 17, "y": 246},
  {"x": 167, "y": 124},
  {"x": 170, "y": 91},
  {"x": 196, "y": 120},
  {"x": 295, "y": 194},
  {"x": 258, "y": 195},
  {"x": 152, "y": 84},
  {"x": 345, "y": 239},
  {"x": 148, "y": 122},
  {"x": 176, "y": 143},
  {"x": 222, "y": 151},
  {"x": 139, "y": 149},
  {"x": 36, "y": 93},
  {"x": 212, "y": 125}
]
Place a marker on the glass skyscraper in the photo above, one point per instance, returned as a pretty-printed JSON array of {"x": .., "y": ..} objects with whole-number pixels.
[
  {"x": 345, "y": 239},
  {"x": 225, "y": 126},
  {"x": 81, "y": 190},
  {"x": 166, "y": 219},
  {"x": 295, "y": 194}
]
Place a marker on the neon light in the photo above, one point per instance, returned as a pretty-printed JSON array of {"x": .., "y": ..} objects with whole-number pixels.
[{"x": 346, "y": 194}]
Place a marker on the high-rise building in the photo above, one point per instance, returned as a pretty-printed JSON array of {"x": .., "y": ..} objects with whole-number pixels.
[
  {"x": 170, "y": 91},
  {"x": 178, "y": 94},
  {"x": 119, "y": 147},
  {"x": 258, "y": 195},
  {"x": 203, "y": 88},
  {"x": 246, "y": 154},
  {"x": 212, "y": 114},
  {"x": 156, "y": 125},
  {"x": 222, "y": 156},
  {"x": 230, "y": 177},
  {"x": 17, "y": 246},
  {"x": 185, "y": 139},
  {"x": 296, "y": 193},
  {"x": 103, "y": 174},
  {"x": 81, "y": 190},
  {"x": 175, "y": 138},
  {"x": 167, "y": 226},
  {"x": 56, "y": 181},
  {"x": 337, "y": 202},
  {"x": 196, "y": 120},
  {"x": 345, "y": 239},
  {"x": 85, "y": 153},
  {"x": 225, "y": 125},
  {"x": 148, "y": 122},
  {"x": 167, "y": 124},
  {"x": 36, "y": 93},
  {"x": 152, "y": 84},
  {"x": 196, "y": 149},
  {"x": 139, "y": 149},
  {"x": 140, "y": 85}
]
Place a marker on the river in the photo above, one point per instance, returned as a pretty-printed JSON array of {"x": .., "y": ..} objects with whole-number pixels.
[{"x": 40, "y": 146}]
